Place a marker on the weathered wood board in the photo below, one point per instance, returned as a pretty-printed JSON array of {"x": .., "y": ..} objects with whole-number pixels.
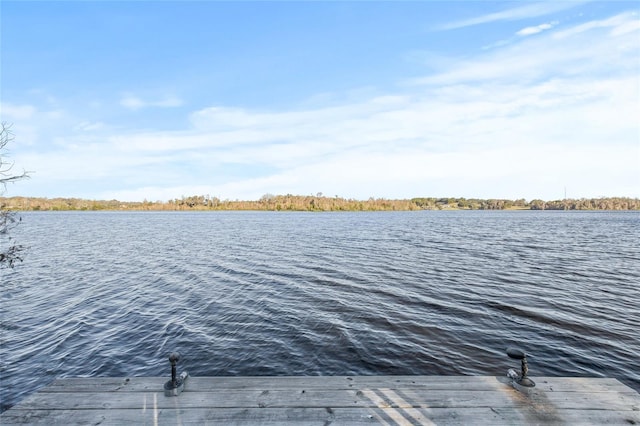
[{"x": 323, "y": 400}]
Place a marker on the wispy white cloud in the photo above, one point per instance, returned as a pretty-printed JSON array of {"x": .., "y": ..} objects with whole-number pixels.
[
  {"x": 536, "y": 29},
  {"x": 133, "y": 102},
  {"x": 31, "y": 122},
  {"x": 533, "y": 10},
  {"x": 621, "y": 24},
  {"x": 11, "y": 112},
  {"x": 88, "y": 126},
  {"x": 588, "y": 49}
]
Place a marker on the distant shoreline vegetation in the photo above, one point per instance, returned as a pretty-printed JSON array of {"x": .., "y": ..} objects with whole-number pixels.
[{"x": 317, "y": 203}]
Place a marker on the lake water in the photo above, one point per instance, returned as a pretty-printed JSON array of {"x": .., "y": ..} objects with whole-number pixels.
[{"x": 262, "y": 293}]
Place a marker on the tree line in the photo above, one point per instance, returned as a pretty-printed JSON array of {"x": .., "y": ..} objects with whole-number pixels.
[{"x": 318, "y": 202}]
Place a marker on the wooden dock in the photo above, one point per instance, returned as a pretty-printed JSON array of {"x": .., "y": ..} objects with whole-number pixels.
[{"x": 324, "y": 400}]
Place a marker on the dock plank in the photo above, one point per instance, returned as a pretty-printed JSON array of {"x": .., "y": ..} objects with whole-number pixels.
[
  {"x": 206, "y": 384},
  {"x": 311, "y": 416},
  {"x": 268, "y": 416},
  {"x": 393, "y": 400}
]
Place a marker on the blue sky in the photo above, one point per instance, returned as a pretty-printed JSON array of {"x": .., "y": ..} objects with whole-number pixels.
[{"x": 155, "y": 100}]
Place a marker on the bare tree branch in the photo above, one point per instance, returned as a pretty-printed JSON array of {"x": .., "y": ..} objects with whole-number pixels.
[{"x": 10, "y": 253}]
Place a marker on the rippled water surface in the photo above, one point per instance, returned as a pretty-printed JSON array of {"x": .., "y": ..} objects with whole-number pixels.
[{"x": 260, "y": 293}]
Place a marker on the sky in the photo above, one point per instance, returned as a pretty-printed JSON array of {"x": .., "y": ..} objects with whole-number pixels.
[{"x": 155, "y": 100}]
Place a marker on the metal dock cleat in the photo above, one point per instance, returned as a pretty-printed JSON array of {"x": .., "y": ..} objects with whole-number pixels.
[
  {"x": 175, "y": 386},
  {"x": 520, "y": 379}
]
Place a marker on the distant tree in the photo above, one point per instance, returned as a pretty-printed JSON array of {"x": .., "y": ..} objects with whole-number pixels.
[
  {"x": 537, "y": 205},
  {"x": 9, "y": 251}
]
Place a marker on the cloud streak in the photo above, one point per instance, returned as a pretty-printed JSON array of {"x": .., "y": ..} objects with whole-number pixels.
[
  {"x": 534, "y": 10},
  {"x": 13, "y": 112},
  {"x": 536, "y": 29},
  {"x": 135, "y": 103}
]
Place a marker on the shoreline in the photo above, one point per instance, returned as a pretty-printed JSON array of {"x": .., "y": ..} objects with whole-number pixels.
[{"x": 317, "y": 203}]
